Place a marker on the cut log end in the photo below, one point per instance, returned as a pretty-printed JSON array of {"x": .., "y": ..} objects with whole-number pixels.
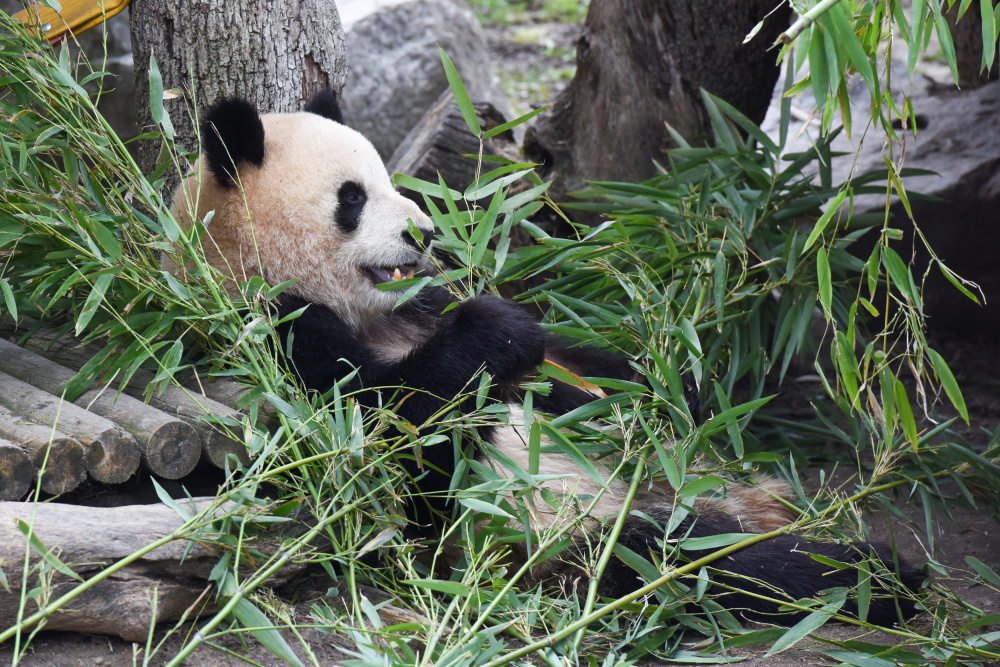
[
  {"x": 16, "y": 471},
  {"x": 173, "y": 450},
  {"x": 64, "y": 469},
  {"x": 217, "y": 447},
  {"x": 113, "y": 457}
]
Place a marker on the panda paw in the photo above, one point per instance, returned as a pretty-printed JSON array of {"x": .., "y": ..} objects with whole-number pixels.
[{"x": 500, "y": 335}]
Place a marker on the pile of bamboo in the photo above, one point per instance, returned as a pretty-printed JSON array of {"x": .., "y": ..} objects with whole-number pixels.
[{"x": 107, "y": 432}]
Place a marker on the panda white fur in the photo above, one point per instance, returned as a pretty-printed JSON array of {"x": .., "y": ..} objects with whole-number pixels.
[{"x": 324, "y": 212}]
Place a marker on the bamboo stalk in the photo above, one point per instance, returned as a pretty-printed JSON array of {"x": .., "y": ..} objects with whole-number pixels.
[
  {"x": 169, "y": 447},
  {"x": 112, "y": 454},
  {"x": 64, "y": 458}
]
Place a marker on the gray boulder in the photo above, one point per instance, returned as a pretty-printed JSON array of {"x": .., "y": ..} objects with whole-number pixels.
[
  {"x": 957, "y": 140},
  {"x": 394, "y": 66}
]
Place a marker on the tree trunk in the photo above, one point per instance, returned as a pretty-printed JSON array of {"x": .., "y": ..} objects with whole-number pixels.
[
  {"x": 640, "y": 64},
  {"x": 967, "y": 36},
  {"x": 274, "y": 54}
]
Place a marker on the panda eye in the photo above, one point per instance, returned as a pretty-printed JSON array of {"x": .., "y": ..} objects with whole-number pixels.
[{"x": 351, "y": 200}]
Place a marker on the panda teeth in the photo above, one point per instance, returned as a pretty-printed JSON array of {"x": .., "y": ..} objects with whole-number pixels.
[
  {"x": 409, "y": 274},
  {"x": 397, "y": 274}
]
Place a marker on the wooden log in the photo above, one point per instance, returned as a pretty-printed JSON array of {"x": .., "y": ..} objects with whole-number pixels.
[
  {"x": 112, "y": 454},
  {"x": 88, "y": 539},
  {"x": 15, "y": 471},
  {"x": 217, "y": 445},
  {"x": 169, "y": 447},
  {"x": 437, "y": 144},
  {"x": 64, "y": 460}
]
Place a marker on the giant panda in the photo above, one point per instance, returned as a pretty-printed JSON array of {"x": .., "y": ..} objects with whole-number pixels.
[{"x": 325, "y": 214}]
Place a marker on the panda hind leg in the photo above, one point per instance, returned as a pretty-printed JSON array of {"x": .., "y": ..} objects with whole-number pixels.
[{"x": 780, "y": 568}]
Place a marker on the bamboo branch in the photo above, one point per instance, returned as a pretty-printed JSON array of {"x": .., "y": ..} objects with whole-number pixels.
[{"x": 805, "y": 21}]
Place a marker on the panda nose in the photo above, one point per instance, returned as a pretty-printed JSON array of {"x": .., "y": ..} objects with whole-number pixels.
[{"x": 427, "y": 234}]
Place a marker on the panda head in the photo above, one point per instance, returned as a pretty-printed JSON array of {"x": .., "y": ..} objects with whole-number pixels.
[{"x": 302, "y": 196}]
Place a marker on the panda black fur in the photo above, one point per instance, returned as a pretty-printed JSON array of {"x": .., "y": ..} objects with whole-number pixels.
[{"x": 324, "y": 212}]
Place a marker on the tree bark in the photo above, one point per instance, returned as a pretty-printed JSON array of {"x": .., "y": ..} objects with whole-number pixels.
[
  {"x": 967, "y": 36},
  {"x": 640, "y": 64},
  {"x": 274, "y": 54}
]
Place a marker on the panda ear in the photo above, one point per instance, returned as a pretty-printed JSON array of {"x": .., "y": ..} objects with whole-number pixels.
[
  {"x": 324, "y": 103},
  {"x": 232, "y": 135}
]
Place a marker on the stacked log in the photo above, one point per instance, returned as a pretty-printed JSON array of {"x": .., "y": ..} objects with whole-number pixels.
[
  {"x": 168, "y": 446},
  {"x": 58, "y": 461},
  {"x": 112, "y": 454},
  {"x": 186, "y": 405}
]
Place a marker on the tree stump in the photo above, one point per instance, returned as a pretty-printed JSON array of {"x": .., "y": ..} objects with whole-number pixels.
[
  {"x": 640, "y": 65},
  {"x": 15, "y": 471}
]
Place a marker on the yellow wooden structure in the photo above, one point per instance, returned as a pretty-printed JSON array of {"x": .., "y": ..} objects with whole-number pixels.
[{"x": 75, "y": 16}]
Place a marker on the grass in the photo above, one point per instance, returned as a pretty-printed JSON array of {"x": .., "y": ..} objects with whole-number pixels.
[
  {"x": 714, "y": 269},
  {"x": 505, "y": 12}
]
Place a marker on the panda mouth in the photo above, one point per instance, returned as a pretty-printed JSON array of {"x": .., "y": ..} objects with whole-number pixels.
[{"x": 391, "y": 274}]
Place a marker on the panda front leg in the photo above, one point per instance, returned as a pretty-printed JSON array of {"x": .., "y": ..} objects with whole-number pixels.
[{"x": 485, "y": 333}]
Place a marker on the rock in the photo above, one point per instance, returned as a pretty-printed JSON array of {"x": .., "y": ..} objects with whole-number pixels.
[
  {"x": 956, "y": 139},
  {"x": 394, "y": 66}
]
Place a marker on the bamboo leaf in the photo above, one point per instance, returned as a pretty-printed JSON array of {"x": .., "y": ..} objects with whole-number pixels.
[
  {"x": 447, "y": 587},
  {"x": 810, "y": 623},
  {"x": 824, "y": 220},
  {"x": 905, "y": 413},
  {"x": 825, "y": 284},
  {"x": 700, "y": 485},
  {"x": 985, "y": 573},
  {"x": 93, "y": 301},
  {"x": 483, "y": 507},
  {"x": 8, "y": 297},
  {"x": 948, "y": 382},
  {"x": 264, "y": 631},
  {"x": 461, "y": 96},
  {"x": 500, "y": 129},
  {"x": 989, "y": 32}
]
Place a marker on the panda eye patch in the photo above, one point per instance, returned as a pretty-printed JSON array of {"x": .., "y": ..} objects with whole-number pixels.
[{"x": 351, "y": 200}]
